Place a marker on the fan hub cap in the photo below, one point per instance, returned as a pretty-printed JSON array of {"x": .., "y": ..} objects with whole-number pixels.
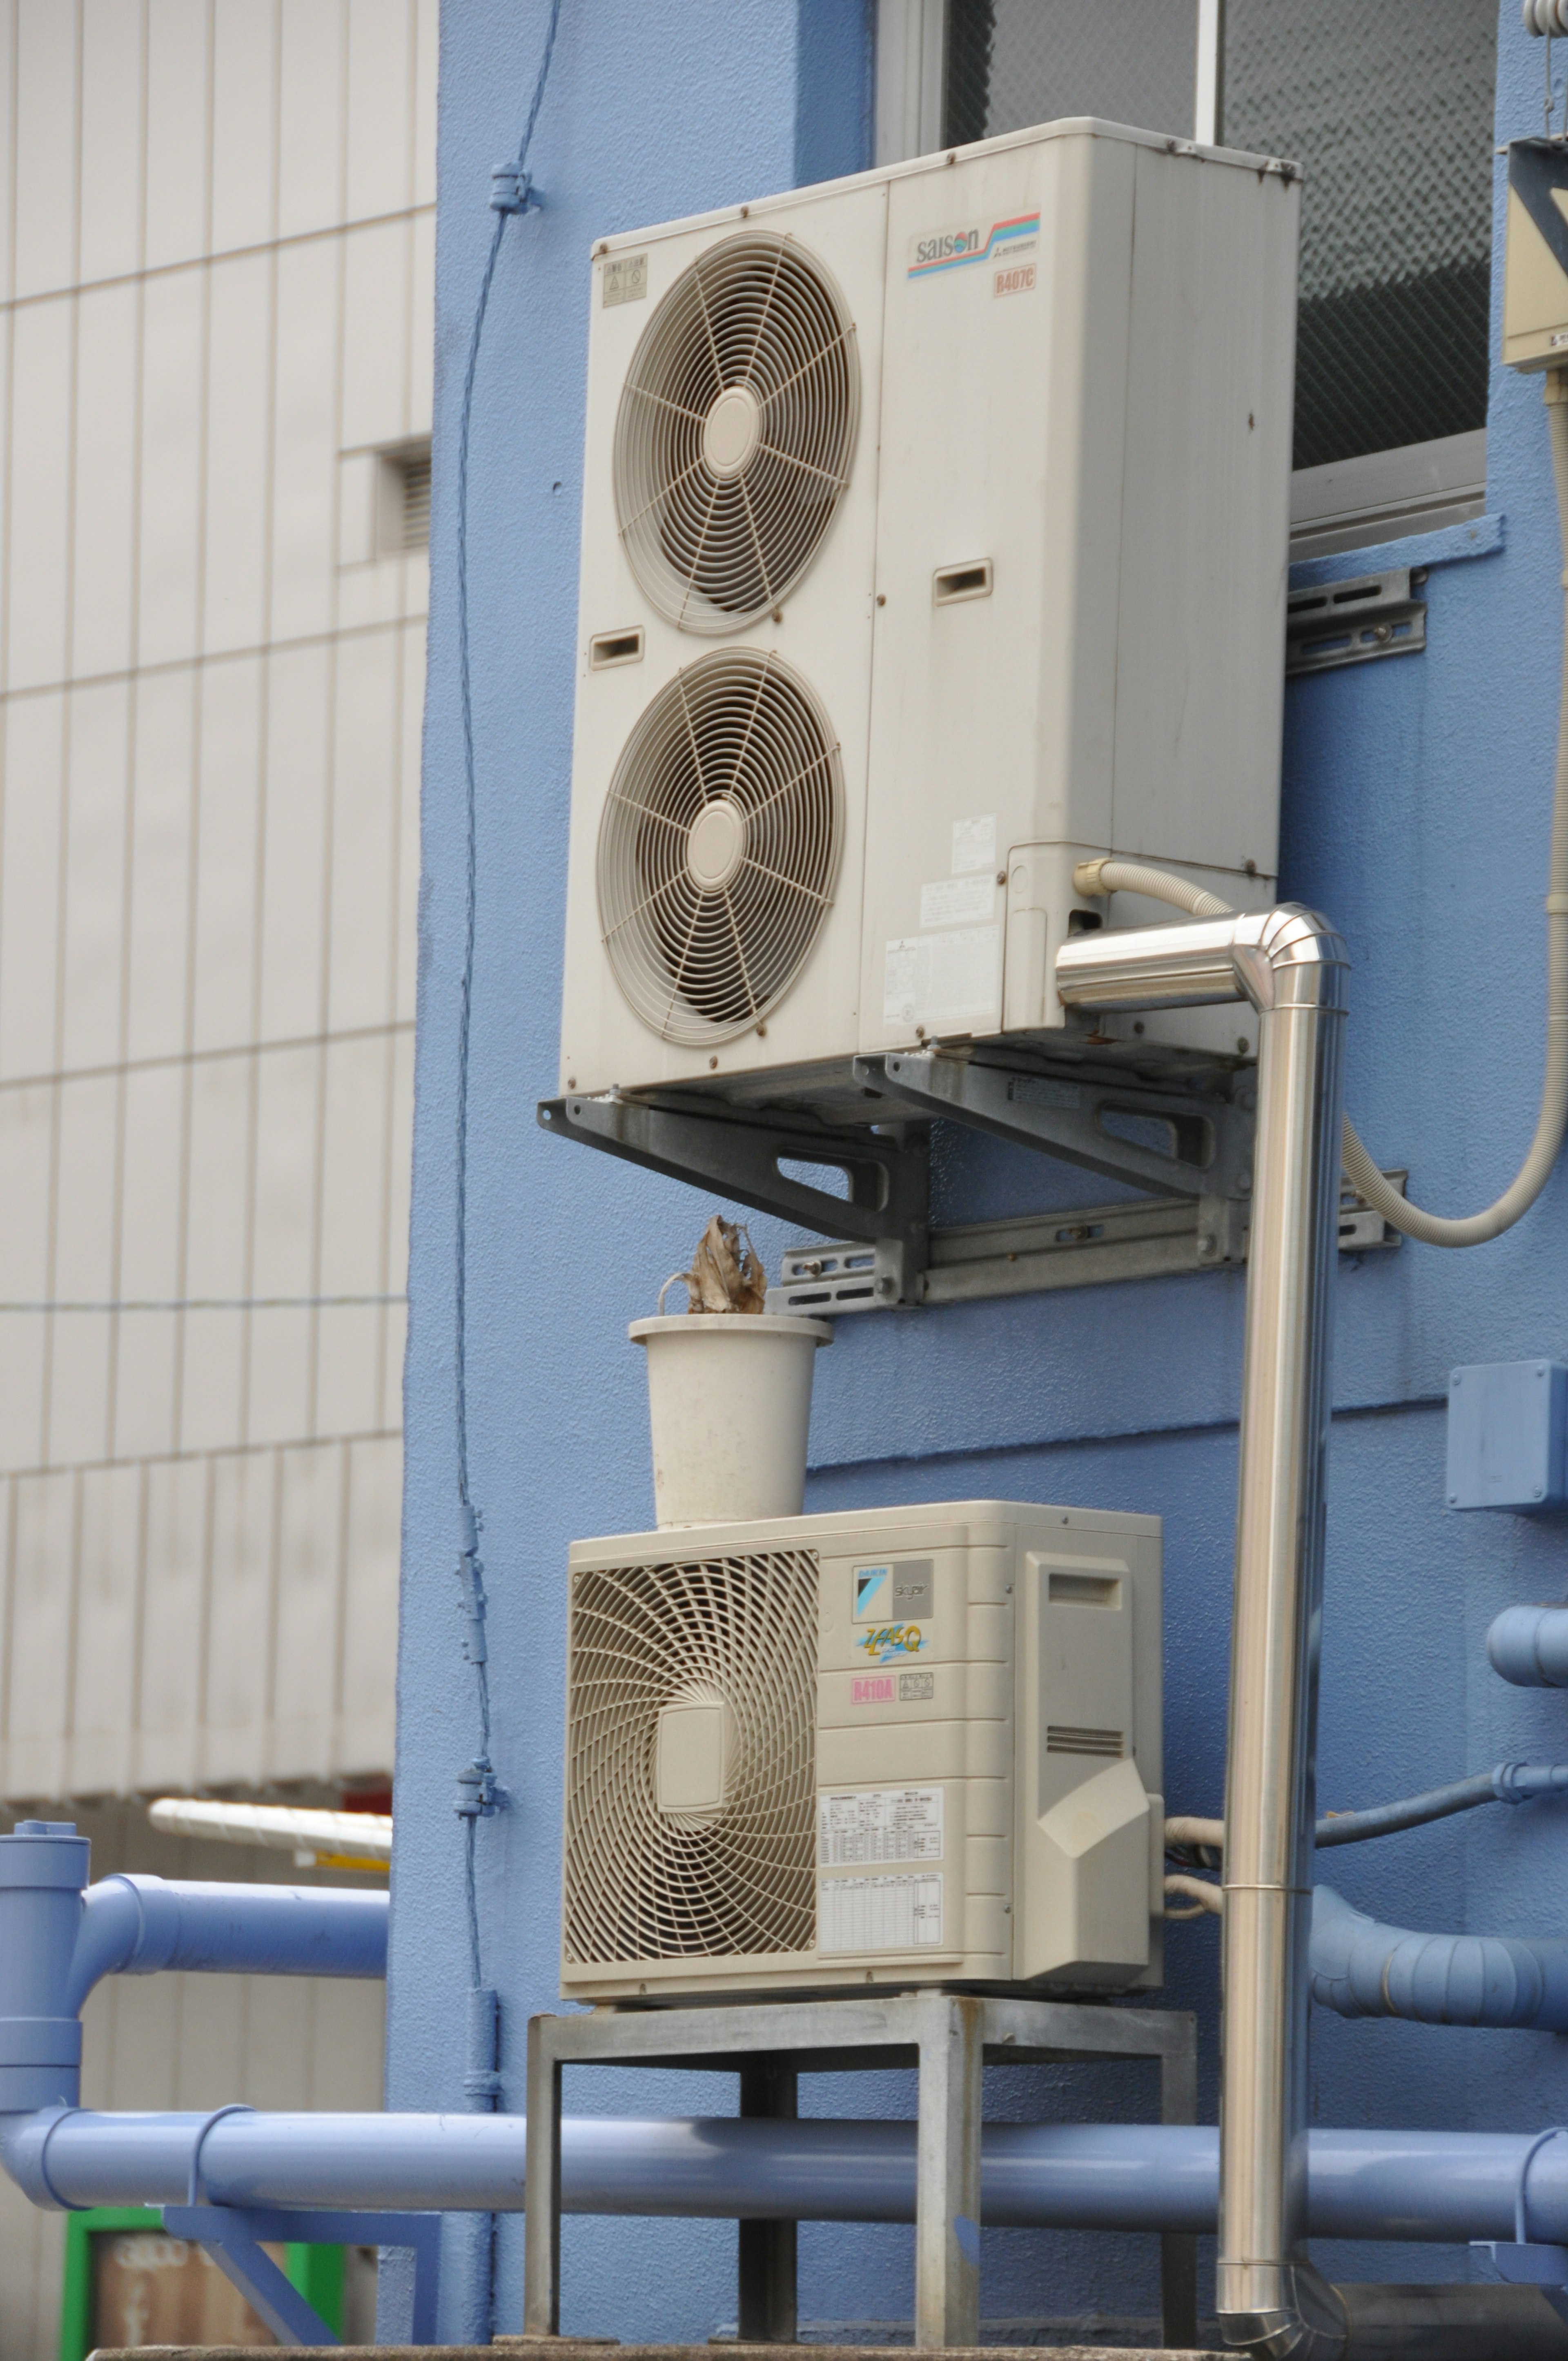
[
  {"x": 715, "y": 844},
  {"x": 732, "y": 432}
]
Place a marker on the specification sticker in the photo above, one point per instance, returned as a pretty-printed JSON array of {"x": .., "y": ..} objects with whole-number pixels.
[
  {"x": 890, "y": 1824},
  {"x": 879, "y": 1914}
]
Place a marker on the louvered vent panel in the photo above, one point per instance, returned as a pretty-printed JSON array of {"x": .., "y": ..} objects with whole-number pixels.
[
  {"x": 739, "y": 1879},
  {"x": 735, "y": 433},
  {"x": 416, "y": 499},
  {"x": 1062, "y": 1739},
  {"x": 719, "y": 845}
]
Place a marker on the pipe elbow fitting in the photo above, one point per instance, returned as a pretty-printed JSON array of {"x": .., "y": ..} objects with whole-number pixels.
[
  {"x": 1290, "y": 957},
  {"x": 1529, "y": 1646},
  {"x": 1302, "y": 2318}
]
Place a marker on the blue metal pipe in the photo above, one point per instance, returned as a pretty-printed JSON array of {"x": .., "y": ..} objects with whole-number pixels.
[
  {"x": 1508, "y": 1783},
  {"x": 135, "y": 1926},
  {"x": 1528, "y": 1645},
  {"x": 57, "y": 1942},
  {"x": 1432, "y": 2186},
  {"x": 1360, "y": 1968}
]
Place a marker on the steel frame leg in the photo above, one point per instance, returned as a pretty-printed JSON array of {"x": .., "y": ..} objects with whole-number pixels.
[
  {"x": 1179, "y": 2248},
  {"x": 542, "y": 2187},
  {"x": 946, "y": 2187},
  {"x": 769, "y": 2088}
]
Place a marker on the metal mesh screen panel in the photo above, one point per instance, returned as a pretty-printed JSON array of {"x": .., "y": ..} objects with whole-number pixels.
[
  {"x": 1391, "y": 114},
  {"x": 1014, "y": 62}
]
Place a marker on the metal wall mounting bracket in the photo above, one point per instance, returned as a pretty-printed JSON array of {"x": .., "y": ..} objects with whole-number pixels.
[
  {"x": 1027, "y": 1254},
  {"x": 1335, "y": 623},
  {"x": 232, "y": 2235},
  {"x": 742, "y": 1153},
  {"x": 1176, "y": 1143}
]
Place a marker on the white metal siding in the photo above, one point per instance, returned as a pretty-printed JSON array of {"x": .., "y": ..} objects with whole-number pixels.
[{"x": 217, "y": 226}]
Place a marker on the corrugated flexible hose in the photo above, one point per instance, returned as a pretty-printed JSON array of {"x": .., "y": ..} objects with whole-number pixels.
[{"x": 1112, "y": 876}]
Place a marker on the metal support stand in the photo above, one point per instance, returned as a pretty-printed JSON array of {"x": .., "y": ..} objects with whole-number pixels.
[
  {"x": 950, "y": 2037},
  {"x": 769, "y": 2088}
]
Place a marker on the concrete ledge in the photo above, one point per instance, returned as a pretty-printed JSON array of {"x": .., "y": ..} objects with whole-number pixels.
[{"x": 568, "y": 2348}]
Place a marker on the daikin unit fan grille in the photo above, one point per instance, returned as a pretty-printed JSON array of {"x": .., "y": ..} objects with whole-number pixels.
[
  {"x": 735, "y": 433},
  {"x": 718, "y": 846},
  {"x": 734, "y": 1878}
]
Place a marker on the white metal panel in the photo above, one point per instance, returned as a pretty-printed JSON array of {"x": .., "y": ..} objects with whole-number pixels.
[
  {"x": 113, "y": 70},
  {"x": 308, "y": 1643},
  {"x": 103, "y": 1701},
  {"x": 310, "y": 180},
  {"x": 241, "y": 1620},
  {"x": 48, "y": 71},
  {"x": 178, "y": 135},
  {"x": 39, "y": 1610},
  {"x": 95, "y": 820},
  {"x": 239, "y": 452},
  {"x": 174, "y": 307},
  {"x": 300, "y": 683},
  {"x": 29, "y": 887},
  {"x": 375, "y": 334},
  {"x": 161, "y": 849},
  {"x": 168, "y": 1753},
  {"x": 103, "y": 621},
  {"x": 42, "y": 357},
  {"x": 244, "y": 124},
  {"x": 371, "y": 1639},
  {"x": 306, "y": 440},
  {"x": 380, "y": 112}
]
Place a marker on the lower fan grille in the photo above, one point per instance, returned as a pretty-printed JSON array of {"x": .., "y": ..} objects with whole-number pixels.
[
  {"x": 646, "y": 1883},
  {"x": 720, "y": 844}
]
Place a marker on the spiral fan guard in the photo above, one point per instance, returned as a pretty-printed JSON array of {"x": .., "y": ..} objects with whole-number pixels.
[{"x": 641, "y": 1883}]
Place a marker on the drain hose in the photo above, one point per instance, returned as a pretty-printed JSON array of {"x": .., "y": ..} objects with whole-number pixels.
[{"x": 1110, "y": 876}]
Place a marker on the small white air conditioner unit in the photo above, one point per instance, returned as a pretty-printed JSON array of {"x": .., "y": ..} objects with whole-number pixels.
[
  {"x": 905, "y": 1746},
  {"x": 934, "y": 540}
]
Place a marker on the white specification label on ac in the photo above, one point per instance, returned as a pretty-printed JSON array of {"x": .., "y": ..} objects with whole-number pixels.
[
  {"x": 957, "y": 901},
  {"x": 890, "y": 1824},
  {"x": 879, "y": 1914},
  {"x": 937, "y": 979}
]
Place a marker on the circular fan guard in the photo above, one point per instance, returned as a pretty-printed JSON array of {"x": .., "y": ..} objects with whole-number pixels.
[
  {"x": 646, "y": 1884},
  {"x": 735, "y": 433},
  {"x": 718, "y": 846}
]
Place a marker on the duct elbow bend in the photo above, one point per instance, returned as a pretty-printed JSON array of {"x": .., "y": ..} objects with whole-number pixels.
[
  {"x": 1301, "y": 2318},
  {"x": 1529, "y": 1646},
  {"x": 1290, "y": 957},
  {"x": 1360, "y": 1968}
]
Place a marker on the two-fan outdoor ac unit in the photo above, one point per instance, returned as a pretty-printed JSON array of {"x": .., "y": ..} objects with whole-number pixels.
[
  {"x": 934, "y": 540},
  {"x": 911, "y": 1745}
]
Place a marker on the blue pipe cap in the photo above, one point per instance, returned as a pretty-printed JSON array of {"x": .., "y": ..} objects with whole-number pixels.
[{"x": 1529, "y": 1646}]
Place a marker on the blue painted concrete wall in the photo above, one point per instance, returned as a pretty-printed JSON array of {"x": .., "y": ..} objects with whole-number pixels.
[{"x": 1416, "y": 812}]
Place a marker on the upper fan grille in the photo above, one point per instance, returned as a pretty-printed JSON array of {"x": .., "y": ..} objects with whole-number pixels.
[
  {"x": 735, "y": 433},
  {"x": 646, "y": 1884},
  {"x": 718, "y": 846}
]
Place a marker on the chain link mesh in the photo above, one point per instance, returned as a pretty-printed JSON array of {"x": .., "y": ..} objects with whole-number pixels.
[
  {"x": 1014, "y": 62},
  {"x": 1391, "y": 117}
]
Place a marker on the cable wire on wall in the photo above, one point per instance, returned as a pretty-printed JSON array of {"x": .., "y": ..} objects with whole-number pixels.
[{"x": 478, "y": 1796}]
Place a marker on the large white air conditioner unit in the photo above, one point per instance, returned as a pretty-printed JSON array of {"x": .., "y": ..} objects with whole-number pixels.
[
  {"x": 904, "y": 1746},
  {"x": 934, "y": 540}
]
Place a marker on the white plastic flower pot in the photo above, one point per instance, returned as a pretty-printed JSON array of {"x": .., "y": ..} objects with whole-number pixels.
[{"x": 729, "y": 1402}]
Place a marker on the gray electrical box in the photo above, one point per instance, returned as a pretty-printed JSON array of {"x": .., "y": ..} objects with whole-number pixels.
[
  {"x": 1535, "y": 274},
  {"x": 1506, "y": 1424}
]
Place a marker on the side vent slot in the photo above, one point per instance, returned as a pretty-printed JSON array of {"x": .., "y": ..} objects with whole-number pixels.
[
  {"x": 1086, "y": 1589},
  {"x": 1062, "y": 1739},
  {"x": 956, "y": 582},
  {"x": 615, "y": 648}
]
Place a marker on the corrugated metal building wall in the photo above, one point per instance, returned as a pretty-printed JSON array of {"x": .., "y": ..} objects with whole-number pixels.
[{"x": 215, "y": 250}]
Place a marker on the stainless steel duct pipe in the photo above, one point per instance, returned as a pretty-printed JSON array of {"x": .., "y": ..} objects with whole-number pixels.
[{"x": 1291, "y": 965}]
